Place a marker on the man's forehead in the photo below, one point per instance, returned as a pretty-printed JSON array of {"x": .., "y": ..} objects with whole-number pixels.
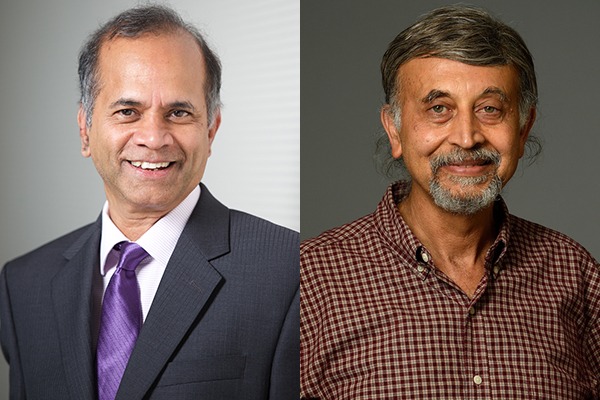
[
  {"x": 132, "y": 69},
  {"x": 152, "y": 49},
  {"x": 436, "y": 77}
]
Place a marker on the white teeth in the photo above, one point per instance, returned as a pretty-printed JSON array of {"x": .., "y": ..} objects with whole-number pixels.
[{"x": 149, "y": 165}]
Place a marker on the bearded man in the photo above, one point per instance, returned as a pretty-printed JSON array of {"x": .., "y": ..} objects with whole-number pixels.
[{"x": 441, "y": 293}]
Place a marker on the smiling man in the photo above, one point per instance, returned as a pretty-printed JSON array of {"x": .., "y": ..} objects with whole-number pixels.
[
  {"x": 441, "y": 293},
  {"x": 169, "y": 294}
]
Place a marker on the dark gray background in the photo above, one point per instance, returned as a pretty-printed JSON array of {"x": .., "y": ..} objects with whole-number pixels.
[{"x": 341, "y": 48}]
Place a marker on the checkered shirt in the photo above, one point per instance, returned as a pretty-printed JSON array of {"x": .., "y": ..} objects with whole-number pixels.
[{"x": 379, "y": 321}]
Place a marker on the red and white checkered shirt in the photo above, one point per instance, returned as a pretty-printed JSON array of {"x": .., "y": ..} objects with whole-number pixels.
[{"x": 379, "y": 321}]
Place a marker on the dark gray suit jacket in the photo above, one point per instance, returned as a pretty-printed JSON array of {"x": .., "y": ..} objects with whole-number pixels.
[{"x": 224, "y": 323}]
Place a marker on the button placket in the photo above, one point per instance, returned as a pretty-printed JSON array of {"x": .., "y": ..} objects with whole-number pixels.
[
  {"x": 476, "y": 369},
  {"x": 496, "y": 269},
  {"x": 422, "y": 259}
]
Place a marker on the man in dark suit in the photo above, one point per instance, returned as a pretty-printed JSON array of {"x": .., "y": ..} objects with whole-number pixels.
[{"x": 216, "y": 290}]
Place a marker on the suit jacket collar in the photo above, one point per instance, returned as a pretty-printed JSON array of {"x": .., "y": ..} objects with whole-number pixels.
[
  {"x": 188, "y": 284},
  {"x": 209, "y": 226},
  {"x": 72, "y": 301}
]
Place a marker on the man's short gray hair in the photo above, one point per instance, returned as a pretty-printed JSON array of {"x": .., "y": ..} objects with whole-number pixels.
[{"x": 133, "y": 23}]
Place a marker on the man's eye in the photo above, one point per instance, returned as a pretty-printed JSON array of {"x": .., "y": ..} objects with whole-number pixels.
[
  {"x": 128, "y": 112},
  {"x": 438, "y": 109},
  {"x": 490, "y": 109},
  {"x": 180, "y": 113}
]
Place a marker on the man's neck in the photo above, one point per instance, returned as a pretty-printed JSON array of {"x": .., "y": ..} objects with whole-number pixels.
[
  {"x": 458, "y": 243},
  {"x": 134, "y": 220},
  {"x": 134, "y": 225}
]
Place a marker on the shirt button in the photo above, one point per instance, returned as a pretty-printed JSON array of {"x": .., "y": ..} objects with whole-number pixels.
[
  {"x": 425, "y": 257},
  {"x": 477, "y": 380},
  {"x": 472, "y": 310},
  {"x": 496, "y": 269},
  {"x": 420, "y": 268}
]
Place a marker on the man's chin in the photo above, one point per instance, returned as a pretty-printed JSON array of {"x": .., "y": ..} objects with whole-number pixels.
[
  {"x": 148, "y": 199},
  {"x": 467, "y": 196},
  {"x": 475, "y": 182}
]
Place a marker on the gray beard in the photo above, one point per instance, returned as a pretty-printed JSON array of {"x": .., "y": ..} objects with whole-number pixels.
[
  {"x": 469, "y": 204},
  {"x": 465, "y": 204}
]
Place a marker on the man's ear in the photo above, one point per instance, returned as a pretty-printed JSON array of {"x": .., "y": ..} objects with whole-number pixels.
[
  {"x": 389, "y": 124},
  {"x": 83, "y": 132},
  {"x": 212, "y": 130}
]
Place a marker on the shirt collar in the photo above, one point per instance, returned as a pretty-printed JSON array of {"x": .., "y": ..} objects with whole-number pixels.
[
  {"x": 393, "y": 227},
  {"x": 159, "y": 241}
]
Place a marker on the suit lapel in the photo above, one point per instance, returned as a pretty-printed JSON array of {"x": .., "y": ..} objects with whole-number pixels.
[
  {"x": 71, "y": 296},
  {"x": 186, "y": 289}
]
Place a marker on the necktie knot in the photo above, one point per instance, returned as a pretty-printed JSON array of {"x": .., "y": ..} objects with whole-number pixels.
[{"x": 131, "y": 255}]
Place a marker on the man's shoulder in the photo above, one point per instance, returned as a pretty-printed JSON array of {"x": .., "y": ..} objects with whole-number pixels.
[
  {"x": 49, "y": 252},
  {"x": 533, "y": 237},
  {"x": 337, "y": 239},
  {"x": 254, "y": 235},
  {"x": 244, "y": 223},
  {"x": 266, "y": 248}
]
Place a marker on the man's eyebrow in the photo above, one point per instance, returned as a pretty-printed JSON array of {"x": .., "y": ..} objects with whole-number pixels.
[
  {"x": 434, "y": 94},
  {"x": 186, "y": 105},
  {"x": 125, "y": 103},
  {"x": 497, "y": 91}
]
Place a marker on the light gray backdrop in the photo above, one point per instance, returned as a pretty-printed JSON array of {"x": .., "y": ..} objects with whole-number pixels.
[
  {"x": 48, "y": 189},
  {"x": 341, "y": 46}
]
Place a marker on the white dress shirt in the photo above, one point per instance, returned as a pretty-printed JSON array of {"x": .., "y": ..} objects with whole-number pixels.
[{"x": 159, "y": 242}]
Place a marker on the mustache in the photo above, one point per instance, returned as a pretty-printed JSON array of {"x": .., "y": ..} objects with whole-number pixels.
[{"x": 458, "y": 156}]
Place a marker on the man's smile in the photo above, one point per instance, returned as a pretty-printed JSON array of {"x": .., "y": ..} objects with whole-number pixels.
[{"x": 150, "y": 165}]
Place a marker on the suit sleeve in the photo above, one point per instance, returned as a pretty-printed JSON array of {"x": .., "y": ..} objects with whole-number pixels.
[
  {"x": 285, "y": 373},
  {"x": 9, "y": 341}
]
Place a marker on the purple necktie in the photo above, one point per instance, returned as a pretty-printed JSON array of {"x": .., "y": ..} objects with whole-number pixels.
[{"x": 120, "y": 322}]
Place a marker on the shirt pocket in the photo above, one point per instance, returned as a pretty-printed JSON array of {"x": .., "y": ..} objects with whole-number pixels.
[{"x": 204, "y": 369}]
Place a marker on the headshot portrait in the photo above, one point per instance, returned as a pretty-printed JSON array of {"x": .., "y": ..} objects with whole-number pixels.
[
  {"x": 342, "y": 46},
  {"x": 150, "y": 210},
  {"x": 449, "y": 201}
]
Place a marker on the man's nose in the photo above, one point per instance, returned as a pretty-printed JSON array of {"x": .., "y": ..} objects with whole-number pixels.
[
  {"x": 466, "y": 131},
  {"x": 153, "y": 132}
]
